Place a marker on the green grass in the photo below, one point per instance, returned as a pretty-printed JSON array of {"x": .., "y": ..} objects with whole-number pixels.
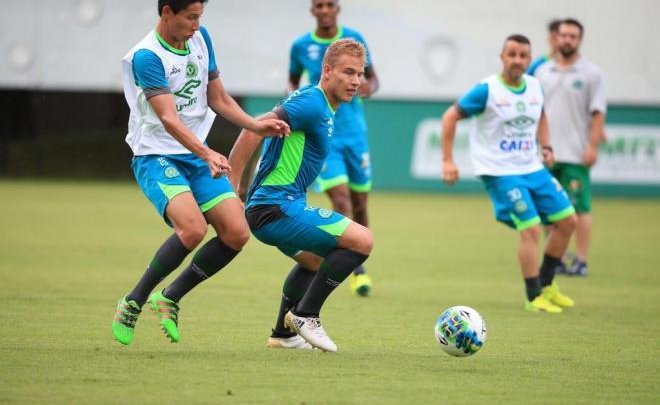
[{"x": 68, "y": 252}]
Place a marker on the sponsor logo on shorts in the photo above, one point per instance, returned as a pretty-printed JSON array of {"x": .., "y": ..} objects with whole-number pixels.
[
  {"x": 520, "y": 206},
  {"x": 575, "y": 185},
  {"x": 171, "y": 172},
  {"x": 324, "y": 213}
]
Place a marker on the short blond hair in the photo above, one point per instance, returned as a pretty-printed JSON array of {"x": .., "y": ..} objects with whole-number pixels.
[{"x": 346, "y": 46}]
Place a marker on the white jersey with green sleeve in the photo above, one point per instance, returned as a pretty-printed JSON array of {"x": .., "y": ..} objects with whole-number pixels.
[
  {"x": 153, "y": 67},
  {"x": 572, "y": 95},
  {"x": 504, "y": 125}
]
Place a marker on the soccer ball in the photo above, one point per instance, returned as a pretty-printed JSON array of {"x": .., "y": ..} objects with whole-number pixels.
[{"x": 462, "y": 325}]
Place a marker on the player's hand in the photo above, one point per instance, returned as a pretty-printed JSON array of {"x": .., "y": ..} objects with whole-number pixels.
[
  {"x": 364, "y": 89},
  {"x": 468, "y": 341},
  {"x": 272, "y": 126},
  {"x": 449, "y": 172},
  {"x": 218, "y": 164},
  {"x": 548, "y": 157},
  {"x": 589, "y": 156}
]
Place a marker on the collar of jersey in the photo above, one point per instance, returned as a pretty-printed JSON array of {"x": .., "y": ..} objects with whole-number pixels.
[
  {"x": 573, "y": 66},
  {"x": 517, "y": 90},
  {"x": 325, "y": 41},
  {"x": 170, "y": 47},
  {"x": 326, "y": 99}
]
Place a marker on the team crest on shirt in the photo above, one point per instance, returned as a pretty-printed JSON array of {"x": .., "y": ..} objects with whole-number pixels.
[
  {"x": 314, "y": 52},
  {"x": 191, "y": 70},
  {"x": 171, "y": 172},
  {"x": 520, "y": 106},
  {"x": 578, "y": 84}
]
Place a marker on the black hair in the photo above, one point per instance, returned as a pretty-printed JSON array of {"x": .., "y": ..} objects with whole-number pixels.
[
  {"x": 176, "y": 5},
  {"x": 521, "y": 39},
  {"x": 553, "y": 25},
  {"x": 573, "y": 21}
]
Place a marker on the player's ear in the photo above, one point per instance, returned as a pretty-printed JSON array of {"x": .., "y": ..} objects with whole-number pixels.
[{"x": 167, "y": 11}]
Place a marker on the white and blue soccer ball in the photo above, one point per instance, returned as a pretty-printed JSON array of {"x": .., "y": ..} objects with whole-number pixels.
[{"x": 460, "y": 331}]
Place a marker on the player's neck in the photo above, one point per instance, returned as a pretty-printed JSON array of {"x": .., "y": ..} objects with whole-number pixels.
[
  {"x": 327, "y": 32},
  {"x": 510, "y": 81},
  {"x": 564, "y": 61},
  {"x": 162, "y": 32},
  {"x": 332, "y": 100}
]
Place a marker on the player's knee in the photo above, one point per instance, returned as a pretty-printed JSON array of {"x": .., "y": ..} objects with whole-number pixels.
[
  {"x": 532, "y": 234},
  {"x": 568, "y": 225},
  {"x": 365, "y": 242},
  {"x": 192, "y": 235},
  {"x": 236, "y": 238}
]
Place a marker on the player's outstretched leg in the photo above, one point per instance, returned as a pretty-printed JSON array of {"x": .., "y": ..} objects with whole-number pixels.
[
  {"x": 123, "y": 324},
  {"x": 355, "y": 246},
  {"x": 168, "y": 257}
]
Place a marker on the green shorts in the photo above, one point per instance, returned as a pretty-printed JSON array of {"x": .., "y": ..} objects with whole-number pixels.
[{"x": 575, "y": 180}]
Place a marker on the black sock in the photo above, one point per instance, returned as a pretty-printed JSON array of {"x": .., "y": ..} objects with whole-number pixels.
[
  {"x": 359, "y": 270},
  {"x": 337, "y": 265},
  {"x": 168, "y": 257},
  {"x": 208, "y": 260},
  {"x": 294, "y": 288},
  {"x": 548, "y": 267},
  {"x": 532, "y": 287}
]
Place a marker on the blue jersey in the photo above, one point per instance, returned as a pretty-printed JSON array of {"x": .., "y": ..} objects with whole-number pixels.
[
  {"x": 307, "y": 56},
  {"x": 289, "y": 165},
  {"x": 536, "y": 63}
]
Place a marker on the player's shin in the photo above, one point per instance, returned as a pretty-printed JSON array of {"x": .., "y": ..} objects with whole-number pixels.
[
  {"x": 336, "y": 267},
  {"x": 294, "y": 289},
  {"x": 168, "y": 257},
  {"x": 208, "y": 260}
]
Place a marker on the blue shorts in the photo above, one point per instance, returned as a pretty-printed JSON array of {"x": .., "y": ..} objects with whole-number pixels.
[
  {"x": 347, "y": 162},
  {"x": 522, "y": 201},
  {"x": 295, "y": 227},
  {"x": 162, "y": 177}
]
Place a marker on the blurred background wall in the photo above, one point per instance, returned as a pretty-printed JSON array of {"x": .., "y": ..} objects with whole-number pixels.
[{"x": 64, "y": 114}]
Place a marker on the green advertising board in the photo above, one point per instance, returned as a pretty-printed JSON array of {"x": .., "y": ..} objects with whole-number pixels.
[{"x": 404, "y": 138}]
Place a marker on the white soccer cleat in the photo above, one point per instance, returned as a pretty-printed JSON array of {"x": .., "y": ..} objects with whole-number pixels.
[
  {"x": 293, "y": 342},
  {"x": 311, "y": 330}
]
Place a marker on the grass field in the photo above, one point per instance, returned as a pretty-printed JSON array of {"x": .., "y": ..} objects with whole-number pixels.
[{"x": 68, "y": 252}]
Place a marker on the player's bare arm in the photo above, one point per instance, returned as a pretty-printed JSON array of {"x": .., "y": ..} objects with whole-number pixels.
[
  {"x": 543, "y": 138},
  {"x": 243, "y": 149},
  {"x": 596, "y": 131},
  {"x": 294, "y": 82},
  {"x": 224, "y": 104},
  {"x": 449, "y": 120},
  {"x": 164, "y": 107}
]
